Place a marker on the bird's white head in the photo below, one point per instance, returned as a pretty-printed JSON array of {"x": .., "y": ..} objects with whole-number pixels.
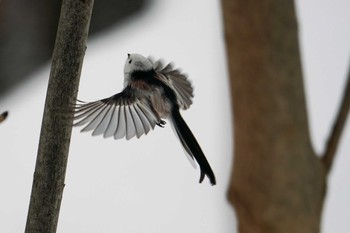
[{"x": 137, "y": 62}]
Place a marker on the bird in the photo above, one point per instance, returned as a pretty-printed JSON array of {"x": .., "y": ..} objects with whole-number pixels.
[{"x": 153, "y": 92}]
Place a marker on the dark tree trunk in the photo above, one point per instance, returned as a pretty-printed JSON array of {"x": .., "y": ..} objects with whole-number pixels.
[
  {"x": 278, "y": 183},
  {"x": 56, "y": 128}
]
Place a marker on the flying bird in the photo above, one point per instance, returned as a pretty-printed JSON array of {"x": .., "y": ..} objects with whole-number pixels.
[{"x": 152, "y": 92}]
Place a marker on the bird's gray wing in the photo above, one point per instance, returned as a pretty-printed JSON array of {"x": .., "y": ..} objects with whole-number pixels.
[
  {"x": 121, "y": 115},
  {"x": 178, "y": 81}
]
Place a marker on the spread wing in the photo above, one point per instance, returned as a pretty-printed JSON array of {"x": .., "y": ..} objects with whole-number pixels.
[
  {"x": 177, "y": 81},
  {"x": 121, "y": 115}
]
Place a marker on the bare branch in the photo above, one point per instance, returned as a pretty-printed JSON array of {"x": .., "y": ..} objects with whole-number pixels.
[
  {"x": 3, "y": 116},
  {"x": 51, "y": 163},
  {"x": 277, "y": 183},
  {"x": 334, "y": 138}
]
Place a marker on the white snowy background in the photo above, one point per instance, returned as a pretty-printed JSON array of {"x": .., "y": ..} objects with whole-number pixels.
[{"x": 147, "y": 185}]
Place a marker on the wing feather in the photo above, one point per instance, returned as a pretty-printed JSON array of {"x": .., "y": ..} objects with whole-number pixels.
[
  {"x": 121, "y": 128},
  {"x": 177, "y": 81},
  {"x": 88, "y": 116},
  {"x": 96, "y": 120},
  {"x": 140, "y": 129},
  {"x": 144, "y": 121},
  {"x": 102, "y": 126},
  {"x": 121, "y": 115},
  {"x": 151, "y": 118},
  {"x": 130, "y": 123},
  {"x": 113, "y": 122}
]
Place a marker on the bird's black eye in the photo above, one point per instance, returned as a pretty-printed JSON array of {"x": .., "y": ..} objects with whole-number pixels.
[{"x": 130, "y": 61}]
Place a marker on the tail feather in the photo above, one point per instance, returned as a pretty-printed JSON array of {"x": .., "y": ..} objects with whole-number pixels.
[
  {"x": 201, "y": 178},
  {"x": 191, "y": 146}
]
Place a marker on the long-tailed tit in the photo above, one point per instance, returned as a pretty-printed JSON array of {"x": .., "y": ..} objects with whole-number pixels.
[{"x": 152, "y": 92}]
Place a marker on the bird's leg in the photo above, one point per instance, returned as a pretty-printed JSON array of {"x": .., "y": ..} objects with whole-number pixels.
[{"x": 161, "y": 123}]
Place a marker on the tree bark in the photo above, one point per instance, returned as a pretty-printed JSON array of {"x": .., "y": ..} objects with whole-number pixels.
[
  {"x": 56, "y": 128},
  {"x": 278, "y": 183}
]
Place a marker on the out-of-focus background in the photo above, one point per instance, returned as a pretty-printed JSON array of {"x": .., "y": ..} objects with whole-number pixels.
[{"x": 147, "y": 185}]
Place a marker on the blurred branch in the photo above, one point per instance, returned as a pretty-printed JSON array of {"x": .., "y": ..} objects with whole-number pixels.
[
  {"x": 3, "y": 115},
  {"x": 334, "y": 138},
  {"x": 51, "y": 164},
  {"x": 277, "y": 183}
]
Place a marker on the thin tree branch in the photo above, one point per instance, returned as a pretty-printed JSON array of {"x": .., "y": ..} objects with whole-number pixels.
[
  {"x": 3, "y": 116},
  {"x": 51, "y": 163},
  {"x": 338, "y": 127}
]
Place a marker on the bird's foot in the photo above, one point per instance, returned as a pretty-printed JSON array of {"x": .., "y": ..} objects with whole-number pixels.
[{"x": 161, "y": 123}]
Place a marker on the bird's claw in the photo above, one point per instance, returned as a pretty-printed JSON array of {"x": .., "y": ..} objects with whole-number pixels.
[{"x": 161, "y": 123}]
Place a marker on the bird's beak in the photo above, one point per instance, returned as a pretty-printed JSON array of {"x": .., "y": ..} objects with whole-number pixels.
[{"x": 128, "y": 55}]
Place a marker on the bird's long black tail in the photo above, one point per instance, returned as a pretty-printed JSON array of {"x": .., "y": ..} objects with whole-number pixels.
[{"x": 191, "y": 146}]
